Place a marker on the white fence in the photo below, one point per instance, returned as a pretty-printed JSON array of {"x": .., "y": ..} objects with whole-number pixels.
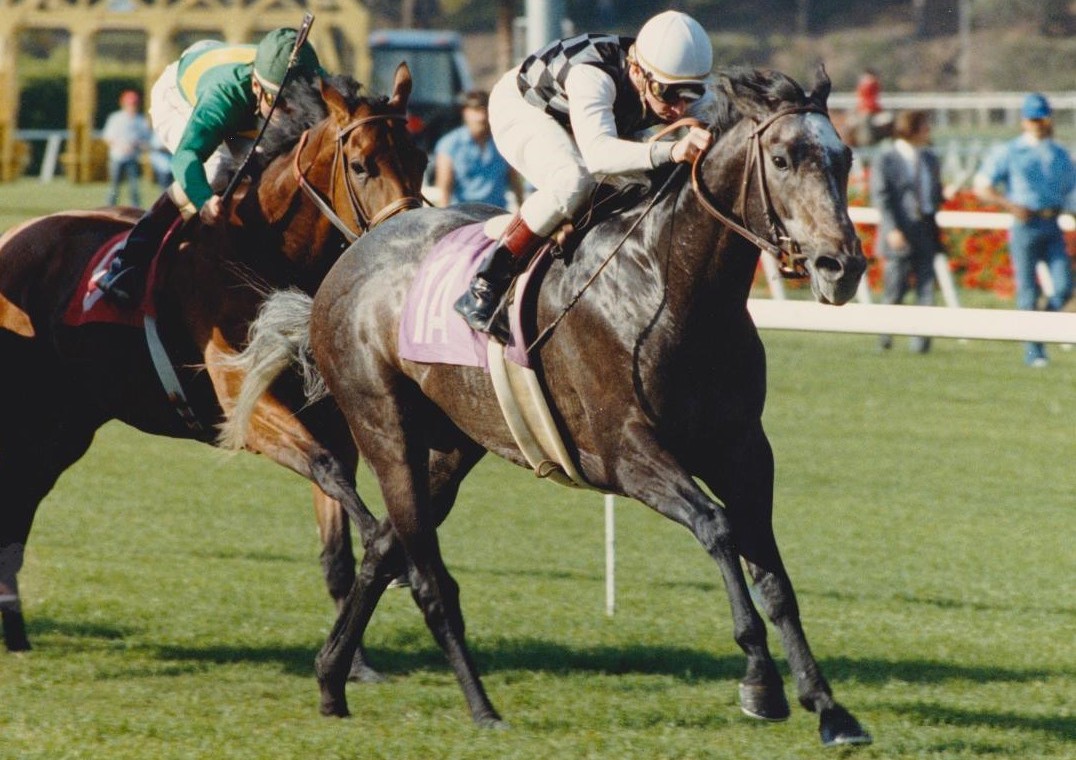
[{"x": 977, "y": 108}]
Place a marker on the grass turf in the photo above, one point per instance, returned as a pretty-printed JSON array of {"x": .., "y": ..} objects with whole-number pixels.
[{"x": 924, "y": 507}]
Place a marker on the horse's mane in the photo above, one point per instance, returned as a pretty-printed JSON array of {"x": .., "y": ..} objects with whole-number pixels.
[
  {"x": 770, "y": 88},
  {"x": 767, "y": 86},
  {"x": 305, "y": 108}
]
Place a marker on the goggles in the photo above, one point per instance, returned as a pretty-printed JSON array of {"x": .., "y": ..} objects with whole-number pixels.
[
  {"x": 271, "y": 98},
  {"x": 689, "y": 92}
]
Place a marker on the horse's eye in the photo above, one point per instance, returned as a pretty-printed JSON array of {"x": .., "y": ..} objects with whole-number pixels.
[
  {"x": 358, "y": 167},
  {"x": 780, "y": 162}
]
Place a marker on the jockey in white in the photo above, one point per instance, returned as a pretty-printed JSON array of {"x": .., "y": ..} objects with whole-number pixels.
[{"x": 562, "y": 117}]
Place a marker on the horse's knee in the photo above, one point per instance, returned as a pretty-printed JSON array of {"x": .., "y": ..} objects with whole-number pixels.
[{"x": 714, "y": 532}]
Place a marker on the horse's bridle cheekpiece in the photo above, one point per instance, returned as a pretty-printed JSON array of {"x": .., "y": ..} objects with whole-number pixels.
[
  {"x": 324, "y": 204},
  {"x": 791, "y": 261}
]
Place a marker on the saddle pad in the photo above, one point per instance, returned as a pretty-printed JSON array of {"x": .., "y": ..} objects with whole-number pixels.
[
  {"x": 431, "y": 332},
  {"x": 89, "y": 304}
]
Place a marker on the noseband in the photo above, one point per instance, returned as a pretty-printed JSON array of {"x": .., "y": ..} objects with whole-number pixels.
[
  {"x": 324, "y": 204},
  {"x": 791, "y": 261}
]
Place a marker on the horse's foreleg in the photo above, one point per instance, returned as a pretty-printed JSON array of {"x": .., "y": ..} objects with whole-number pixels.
[
  {"x": 746, "y": 486},
  {"x": 656, "y": 479}
]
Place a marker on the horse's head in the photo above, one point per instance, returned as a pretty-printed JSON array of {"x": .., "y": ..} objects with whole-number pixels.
[
  {"x": 793, "y": 194},
  {"x": 381, "y": 165},
  {"x": 376, "y": 167},
  {"x": 350, "y": 154}
]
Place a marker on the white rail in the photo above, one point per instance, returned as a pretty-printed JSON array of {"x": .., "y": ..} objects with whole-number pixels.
[
  {"x": 934, "y": 321},
  {"x": 970, "y": 220}
]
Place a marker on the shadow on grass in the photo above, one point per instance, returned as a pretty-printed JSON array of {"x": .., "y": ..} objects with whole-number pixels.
[
  {"x": 76, "y": 629},
  {"x": 935, "y": 713},
  {"x": 941, "y": 602},
  {"x": 688, "y": 665}
]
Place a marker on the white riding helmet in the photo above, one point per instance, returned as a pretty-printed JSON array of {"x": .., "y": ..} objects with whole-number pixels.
[{"x": 672, "y": 47}]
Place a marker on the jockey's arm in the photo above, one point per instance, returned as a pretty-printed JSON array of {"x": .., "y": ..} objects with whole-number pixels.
[
  {"x": 212, "y": 120},
  {"x": 591, "y": 93}
]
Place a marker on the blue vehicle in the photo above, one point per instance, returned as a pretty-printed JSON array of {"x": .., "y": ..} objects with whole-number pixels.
[{"x": 440, "y": 72}]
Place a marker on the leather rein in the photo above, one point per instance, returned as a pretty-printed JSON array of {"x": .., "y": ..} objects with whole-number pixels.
[
  {"x": 324, "y": 204},
  {"x": 791, "y": 261}
]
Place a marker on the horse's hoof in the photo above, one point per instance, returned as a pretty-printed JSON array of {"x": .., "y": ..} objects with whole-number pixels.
[
  {"x": 764, "y": 702},
  {"x": 492, "y": 722},
  {"x": 333, "y": 702},
  {"x": 838, "y": 728},
  {"x": 15, "y": 632},
  {"x": 363, "y": 673}
]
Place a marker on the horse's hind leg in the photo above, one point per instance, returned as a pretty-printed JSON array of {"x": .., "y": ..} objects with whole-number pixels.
[
  {"x": 30, "y": 463},
  {"x": 343, "y": 657},
  {"x": 746, "y": 487},
  {"x": 383, "y": 561},
  {"x": 337, "y": 557}
]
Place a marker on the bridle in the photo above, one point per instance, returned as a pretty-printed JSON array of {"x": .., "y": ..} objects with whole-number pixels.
[
  {"x": 791, "y": 261},
  {"x": 365, "y": 219}
]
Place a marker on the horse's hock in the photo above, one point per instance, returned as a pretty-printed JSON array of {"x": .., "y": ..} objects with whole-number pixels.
[{"x": 161, "y": 24}]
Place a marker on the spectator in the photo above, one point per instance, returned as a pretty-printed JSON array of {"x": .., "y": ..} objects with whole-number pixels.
[
  {"x": 906, "y": 188},
  {"x": 871, "y": 122},
  {"x": 468, "y": 166},
  {"x": 127, "y": 134},
  {"x": 1030, "y": 177}
]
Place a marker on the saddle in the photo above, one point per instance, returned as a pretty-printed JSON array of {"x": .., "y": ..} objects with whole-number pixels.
[
  {"x": 431, "y": 332},
  {"x": 88, "y": 305}
]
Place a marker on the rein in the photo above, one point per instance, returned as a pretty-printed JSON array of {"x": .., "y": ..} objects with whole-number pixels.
[
  {"x": 324, "y": 204},
  {"x": 790, "y": 260}
]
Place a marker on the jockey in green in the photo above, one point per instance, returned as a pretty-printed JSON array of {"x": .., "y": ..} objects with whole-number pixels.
[{"x": 205, "y": 108}]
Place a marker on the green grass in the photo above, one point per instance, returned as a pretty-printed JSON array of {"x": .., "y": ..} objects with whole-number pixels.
[{"x": 924, "y": 507}]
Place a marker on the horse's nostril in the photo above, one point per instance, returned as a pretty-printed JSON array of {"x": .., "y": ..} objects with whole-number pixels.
[{"x": 828, "y": 265}]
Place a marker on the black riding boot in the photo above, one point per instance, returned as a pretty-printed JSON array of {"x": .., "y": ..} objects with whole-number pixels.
[
  {"x": 478, "y": 305},
  {"x": 125, "y": 278}
]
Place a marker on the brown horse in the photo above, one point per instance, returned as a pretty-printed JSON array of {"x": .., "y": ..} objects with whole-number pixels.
[
  {"x": 655, "y": 372},
  {"x": 354, "y": 159}
]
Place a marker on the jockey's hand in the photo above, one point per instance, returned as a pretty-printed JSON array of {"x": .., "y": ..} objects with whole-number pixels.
[
  {"x": 212, "y": 212},
  {"x": 691, "y": 145}
]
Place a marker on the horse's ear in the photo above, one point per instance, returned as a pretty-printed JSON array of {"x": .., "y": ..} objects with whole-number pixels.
[
  {"x": 819, "y": 94},
  {"x": 401, "y": 88},
  {"x": 333, "y": 98}
]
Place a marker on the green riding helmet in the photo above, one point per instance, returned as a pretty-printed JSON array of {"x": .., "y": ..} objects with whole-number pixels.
[{"x": 271, "y": 59}]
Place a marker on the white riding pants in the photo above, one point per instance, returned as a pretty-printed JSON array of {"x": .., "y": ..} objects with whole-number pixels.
[{"x": 543, "y": 152}]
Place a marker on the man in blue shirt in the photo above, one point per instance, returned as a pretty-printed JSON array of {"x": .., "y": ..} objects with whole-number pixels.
[
  {"x": 468, "y": 166},
  {"x": 1031, "y": 177}
]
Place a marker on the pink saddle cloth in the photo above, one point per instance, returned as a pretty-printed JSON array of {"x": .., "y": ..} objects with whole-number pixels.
[{"x": 431, "y": 332}]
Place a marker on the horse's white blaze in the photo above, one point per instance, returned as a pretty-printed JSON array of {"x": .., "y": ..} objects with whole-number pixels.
[{"x": 821, "y": 129}]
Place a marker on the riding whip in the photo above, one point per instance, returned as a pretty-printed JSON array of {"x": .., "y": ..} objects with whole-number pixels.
[{"x": 300, "y": 38}]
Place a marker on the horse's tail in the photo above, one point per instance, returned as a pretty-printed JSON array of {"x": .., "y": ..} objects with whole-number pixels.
[{"x": 279, "y": 338}]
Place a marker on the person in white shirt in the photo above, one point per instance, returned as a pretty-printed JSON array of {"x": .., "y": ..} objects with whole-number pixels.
[
  {"x": 561, "y": 118},
  {"x": 128, "y": 134}
]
